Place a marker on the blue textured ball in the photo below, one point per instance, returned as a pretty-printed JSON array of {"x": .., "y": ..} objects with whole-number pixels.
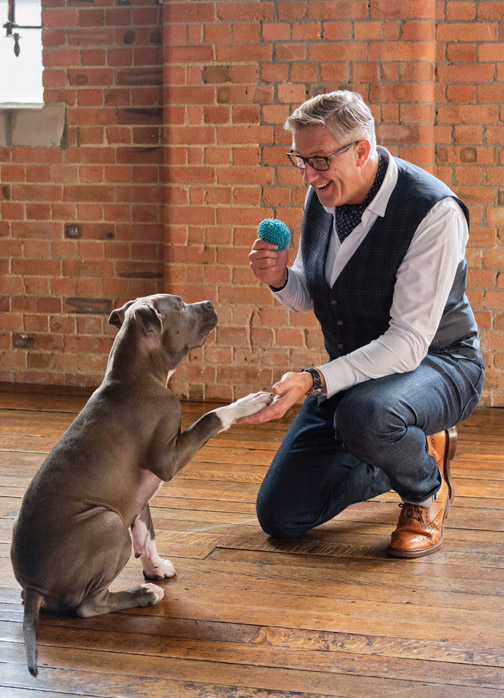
[{"x": 274, "y": 231}]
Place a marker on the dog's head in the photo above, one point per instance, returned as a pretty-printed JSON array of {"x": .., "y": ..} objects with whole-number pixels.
[{"x": 165, "y": 321}]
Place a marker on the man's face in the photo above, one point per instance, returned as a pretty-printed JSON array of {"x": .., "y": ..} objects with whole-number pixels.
[{"x": 341, "y": 183}]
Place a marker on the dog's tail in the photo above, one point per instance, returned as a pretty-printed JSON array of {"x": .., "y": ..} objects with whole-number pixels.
[{"x": 32, "y": 603}]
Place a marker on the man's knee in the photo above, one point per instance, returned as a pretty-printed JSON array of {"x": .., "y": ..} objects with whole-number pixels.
[
  {"x": 277, "y": 523},
  {"x": 364, "y": 419}
]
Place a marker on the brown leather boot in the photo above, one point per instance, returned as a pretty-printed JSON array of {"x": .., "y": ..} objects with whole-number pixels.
[{"x": 419, "y": 530}]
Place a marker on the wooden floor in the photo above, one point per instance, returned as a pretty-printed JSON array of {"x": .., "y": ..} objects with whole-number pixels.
[{"x": 325, "y": 615}]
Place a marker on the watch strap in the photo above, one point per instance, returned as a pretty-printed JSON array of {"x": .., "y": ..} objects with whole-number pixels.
[{"x": 317, "y": 388}]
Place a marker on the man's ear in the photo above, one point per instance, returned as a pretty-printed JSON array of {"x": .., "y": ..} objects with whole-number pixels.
[
  {"x": 363, "y": 151},
  {"x": 150, "y": 317},
  {"x": 116, "y": 317}
]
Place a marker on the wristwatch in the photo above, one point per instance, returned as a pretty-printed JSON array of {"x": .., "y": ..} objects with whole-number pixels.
[{"x": 317, "y": 388}]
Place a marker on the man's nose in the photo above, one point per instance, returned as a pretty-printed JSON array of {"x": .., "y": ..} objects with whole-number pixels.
[{"x": 309, "y": 174}]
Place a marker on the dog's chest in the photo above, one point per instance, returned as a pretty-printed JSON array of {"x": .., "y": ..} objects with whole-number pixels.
[{"x": 148, "y": 486}]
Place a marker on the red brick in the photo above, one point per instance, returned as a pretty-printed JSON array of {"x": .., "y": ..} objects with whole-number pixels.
[
  {"x": 467, "y": 114},
  {"x": 275, "y": 72},
  {"x": 467, "y": 31},
  {"x": 481, "y": 237},
  {"x": 491, "y": 52},
  {"x": 366, "y": 30},
  {"x": 491, "y": 93},
  {"x": 61, "y": 57},
  {"x": 86, "y": 37},
  {"x": 461, "y": 93},
  {"x": 246, "y": 11},
  {"x": 290, "y": 52},
  {"x": 12, "y": 173},
  {"x": 402, "y": 51},
  {"x": 291, "y": 9},
  {"x": 38, "y": 211},
  {"x": 255, "y": 52},
  {"x": 183, "y": 12},
  {"x": 465, "y": 73},
  {"x": 495, "y": 216},
  {"x": 29, "y": 154},
  {"x": 476, "y": 196},
  {"x": 274, "y": 31},
  {"x": 245, "y": 73},
  {"x": 460, "y": 10},
  {"x": 60, "y": 18},
  {"x": 462, "y": 53},
  {"x": 490, "y": 10},
  {"x": 243, "y": 33},
  {"x": 418, "y": 30},
  {"x": 327, "y": 9},
  {"x": 351, "y": 51}
]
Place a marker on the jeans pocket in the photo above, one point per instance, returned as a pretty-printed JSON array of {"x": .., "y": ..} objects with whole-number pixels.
[{"x": 475, "y": 374}]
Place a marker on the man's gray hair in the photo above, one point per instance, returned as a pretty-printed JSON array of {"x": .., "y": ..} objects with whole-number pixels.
[{"x": 344, "y": 113}]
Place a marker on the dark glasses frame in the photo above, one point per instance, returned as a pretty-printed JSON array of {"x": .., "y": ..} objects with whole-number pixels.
[{"x": 324, "y": 163}]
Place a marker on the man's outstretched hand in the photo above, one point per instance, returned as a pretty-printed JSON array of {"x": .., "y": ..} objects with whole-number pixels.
[{"x": 289, "y": 389}]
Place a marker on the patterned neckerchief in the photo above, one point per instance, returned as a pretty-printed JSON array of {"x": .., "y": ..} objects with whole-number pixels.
[{"x": 349, "y": 216}]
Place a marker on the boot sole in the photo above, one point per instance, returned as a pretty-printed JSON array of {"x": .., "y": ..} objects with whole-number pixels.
[{"x": 414, "y": 553}]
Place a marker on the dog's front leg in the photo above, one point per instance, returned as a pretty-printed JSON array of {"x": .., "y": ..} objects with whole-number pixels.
[
  {"x": 169, "y": 456},
  {"x": 144, "y": 547}
]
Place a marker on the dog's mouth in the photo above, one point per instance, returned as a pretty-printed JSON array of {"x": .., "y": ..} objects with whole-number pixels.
[{"x": 209, "y": 324}]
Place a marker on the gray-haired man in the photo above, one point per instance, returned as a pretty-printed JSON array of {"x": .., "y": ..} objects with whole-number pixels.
[{"x": 381, "y": 263}]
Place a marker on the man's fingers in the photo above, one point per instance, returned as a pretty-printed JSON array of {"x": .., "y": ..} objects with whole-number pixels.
[{"x": 260, "y": 244}]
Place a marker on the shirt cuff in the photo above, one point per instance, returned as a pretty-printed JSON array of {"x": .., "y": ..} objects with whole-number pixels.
[{"x": 337, "y": 376}]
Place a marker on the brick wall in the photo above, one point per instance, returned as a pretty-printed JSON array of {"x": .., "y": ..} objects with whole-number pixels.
[
  {"x": 433, "y": 73},
  {"x": 81, "y": 222}
]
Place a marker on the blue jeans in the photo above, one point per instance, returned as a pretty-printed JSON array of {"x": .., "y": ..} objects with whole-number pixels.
[{"x": 365, "y": 441}]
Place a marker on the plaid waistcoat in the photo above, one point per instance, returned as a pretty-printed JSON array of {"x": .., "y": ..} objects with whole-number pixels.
[{"x": 356, "y": 309}]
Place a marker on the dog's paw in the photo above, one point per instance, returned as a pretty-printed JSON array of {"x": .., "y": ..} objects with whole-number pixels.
[
  {"x": 245, "y": 406},
  {"x": 158, "y": 569},
  {"x": 152, "y": 594},
  {"x": 250, "y": 404}
]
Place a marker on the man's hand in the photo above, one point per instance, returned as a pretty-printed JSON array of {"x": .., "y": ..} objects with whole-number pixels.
[
  {"x": 268, "y": 263},
  {"x": 289, "y": 389}
]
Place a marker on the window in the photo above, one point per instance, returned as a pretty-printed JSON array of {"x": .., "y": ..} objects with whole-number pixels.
[{"x": 21, "y": 75}]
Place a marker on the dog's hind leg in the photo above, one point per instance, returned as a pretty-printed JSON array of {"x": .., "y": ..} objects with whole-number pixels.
[
  {"x": 144, "y": 547},
  {"x": 106, "y": 601}
]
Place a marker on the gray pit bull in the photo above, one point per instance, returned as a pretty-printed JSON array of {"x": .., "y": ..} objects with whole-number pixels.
[{"x": 72, "y": 536}]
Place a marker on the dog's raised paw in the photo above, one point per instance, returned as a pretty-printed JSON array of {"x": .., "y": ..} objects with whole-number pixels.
[
  {"x": 245, "y": 406},
  {"x": 250, "y": 404}
]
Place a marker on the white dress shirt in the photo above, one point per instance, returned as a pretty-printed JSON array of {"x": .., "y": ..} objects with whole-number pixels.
[{"x": 424, "y": 280}]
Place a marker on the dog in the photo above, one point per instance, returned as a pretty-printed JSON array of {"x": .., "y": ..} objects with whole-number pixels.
[{"x": 90, "y": 499}]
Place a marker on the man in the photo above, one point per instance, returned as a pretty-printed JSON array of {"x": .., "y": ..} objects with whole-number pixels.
[{"x": 381, "y": 263}]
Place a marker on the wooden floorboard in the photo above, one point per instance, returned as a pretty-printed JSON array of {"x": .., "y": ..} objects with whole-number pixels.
[{"x": 328, "y": 614}]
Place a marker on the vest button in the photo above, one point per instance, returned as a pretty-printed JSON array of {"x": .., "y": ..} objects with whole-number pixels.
[
  {"x": 340, "y": 322},
  {"x": 340, "y": 346},
  {"x": 334, "y": 302}
]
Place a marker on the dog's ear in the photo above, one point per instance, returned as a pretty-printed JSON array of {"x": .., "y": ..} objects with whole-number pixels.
[
  {"x": 116, "y": 317},
  {"x": 150, "y": 317}
]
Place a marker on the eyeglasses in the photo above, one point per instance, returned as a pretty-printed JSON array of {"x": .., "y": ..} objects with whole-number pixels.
[{"x": 318, "y": 162}]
